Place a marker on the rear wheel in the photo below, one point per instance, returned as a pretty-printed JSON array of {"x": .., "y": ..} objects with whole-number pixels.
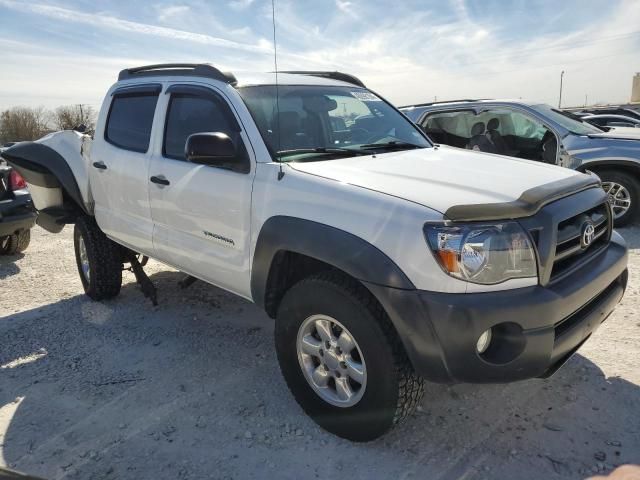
[
  {"x": 16, "y": 243},
  {"x": 99, "y": 260},
  {"x": 623, "y": 191},
  {"x": 342, "y": 359}
]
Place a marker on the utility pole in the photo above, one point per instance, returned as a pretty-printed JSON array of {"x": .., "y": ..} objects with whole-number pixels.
[
  {"x": 560, "y": 99},
  {"x": 585, "y": 100}
]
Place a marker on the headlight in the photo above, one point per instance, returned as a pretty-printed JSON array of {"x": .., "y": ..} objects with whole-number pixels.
[{"x": 484, "y": 254}]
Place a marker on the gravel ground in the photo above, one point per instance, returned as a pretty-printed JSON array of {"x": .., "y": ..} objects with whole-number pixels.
[{"x": 191, "y": 389}]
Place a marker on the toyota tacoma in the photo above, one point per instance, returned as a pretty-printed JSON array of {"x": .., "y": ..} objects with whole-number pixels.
[{"x": 385, "y": 260}]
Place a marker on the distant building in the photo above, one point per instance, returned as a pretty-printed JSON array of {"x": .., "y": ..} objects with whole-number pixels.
[{"x": 635, "y": 90}]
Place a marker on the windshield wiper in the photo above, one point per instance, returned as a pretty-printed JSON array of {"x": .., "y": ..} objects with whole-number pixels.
[
  {"x": 343, "y": 152},
  {"x": 390, "y": 145}
]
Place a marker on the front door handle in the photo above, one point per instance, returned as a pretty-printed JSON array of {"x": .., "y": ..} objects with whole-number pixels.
[
  {"x": 160, "y": 180},
  {"x": 100, "y": 165}
]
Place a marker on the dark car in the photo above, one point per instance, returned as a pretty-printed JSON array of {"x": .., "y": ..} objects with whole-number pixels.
[
  {"x": 607, "y": 121},
  {"x": 539, "y": 132},
  {"x": 17, "y": 214},
  {"x": 610, "y": 110}
]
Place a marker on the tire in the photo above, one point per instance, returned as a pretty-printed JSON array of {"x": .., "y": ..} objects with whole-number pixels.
[
  {"x": 611, "y": 179},
  {"x": 16, "y": 243},
  {"x": 391, "y": 389},
  {"x": 103, "y": 258}
]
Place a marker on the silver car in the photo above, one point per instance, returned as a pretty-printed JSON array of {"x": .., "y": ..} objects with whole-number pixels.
[{"x": 542, "y": 133}]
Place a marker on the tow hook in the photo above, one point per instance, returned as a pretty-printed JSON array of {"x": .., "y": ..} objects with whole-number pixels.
[{"x": 146, "y": 285}]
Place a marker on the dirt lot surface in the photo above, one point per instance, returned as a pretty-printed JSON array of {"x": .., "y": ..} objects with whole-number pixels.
[{"x": 191, "y": 389}]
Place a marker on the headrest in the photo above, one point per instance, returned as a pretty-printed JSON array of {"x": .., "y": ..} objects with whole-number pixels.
[
  {"x": 477, "y": 129},
  {"x": 493, "y": 124},
  {"x": 289, "y": 121}
]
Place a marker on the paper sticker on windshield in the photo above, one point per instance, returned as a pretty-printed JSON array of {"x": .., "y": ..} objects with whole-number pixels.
[{"x": 366, "y": 96}]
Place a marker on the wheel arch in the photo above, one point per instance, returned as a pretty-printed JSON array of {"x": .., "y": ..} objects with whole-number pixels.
[
  {"x": 628, "y": 166},
  {"x": 290, "y": 248}
]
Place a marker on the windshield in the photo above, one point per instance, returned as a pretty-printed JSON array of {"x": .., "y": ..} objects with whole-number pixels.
[
  {"x": 320, "y": 122},
  {"x": 568, "y": 120}
]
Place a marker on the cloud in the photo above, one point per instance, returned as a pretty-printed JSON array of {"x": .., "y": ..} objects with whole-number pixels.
[
  {"x": 169, "y": 13},
  {"x": 344, "y": 5},
  {"x": 409, "y": 52},
  {"x": 105, "y": 21},
  {"x": 241, "y": 4}
]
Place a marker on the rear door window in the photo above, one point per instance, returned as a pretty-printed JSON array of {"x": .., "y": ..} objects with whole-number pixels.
[{"x": 130, "y": 120}]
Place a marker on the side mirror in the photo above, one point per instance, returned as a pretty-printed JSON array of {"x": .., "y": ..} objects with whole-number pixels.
[{"x": 211, "y": 148}]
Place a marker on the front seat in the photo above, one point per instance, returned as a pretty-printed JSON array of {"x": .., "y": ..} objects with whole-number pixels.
[
  {"x": 549, "y": 148},
  {"x": 496, "y": 138},
  {"x": 479, "y": 141},
  {"x": 291, "y": 135}
]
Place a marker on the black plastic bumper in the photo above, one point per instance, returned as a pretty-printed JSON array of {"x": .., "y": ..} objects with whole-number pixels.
[
  {"x": 535, "y": 329},
  {"x": 16, "y": 214}
]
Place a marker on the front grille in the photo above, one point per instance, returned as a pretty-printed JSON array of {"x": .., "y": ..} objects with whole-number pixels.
[{"x": 570, "y": 251}]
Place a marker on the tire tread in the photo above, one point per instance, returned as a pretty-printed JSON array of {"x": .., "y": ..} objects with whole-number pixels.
[
  {"x": 105, "y": 257},
  {"x": 17, "y": 243},
  {"x": 410, "y": 384}
]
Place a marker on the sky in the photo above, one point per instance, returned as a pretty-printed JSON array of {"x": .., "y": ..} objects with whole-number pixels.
[{"x": 70, "y": 51}]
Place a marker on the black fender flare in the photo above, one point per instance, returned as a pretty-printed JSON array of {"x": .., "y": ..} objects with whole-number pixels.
[
  {"x": 338, "y": 248},
  {"x": 41, "y": 165}
]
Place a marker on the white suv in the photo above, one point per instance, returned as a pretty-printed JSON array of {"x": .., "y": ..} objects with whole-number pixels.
[{"x": 384, "y": 259}]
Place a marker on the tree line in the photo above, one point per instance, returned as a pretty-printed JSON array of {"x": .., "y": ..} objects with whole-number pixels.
[{"x": 18, "y": 124}]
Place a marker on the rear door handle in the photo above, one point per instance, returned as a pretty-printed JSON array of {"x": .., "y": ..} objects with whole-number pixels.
[
  {"x": 160, "y": 180},
  {"x": 100, "y": 165}
]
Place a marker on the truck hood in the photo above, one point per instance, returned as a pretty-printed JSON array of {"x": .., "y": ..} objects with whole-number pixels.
[{"x": 445, "y": 179}]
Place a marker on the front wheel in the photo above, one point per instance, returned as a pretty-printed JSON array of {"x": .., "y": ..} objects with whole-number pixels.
[
  {"x": 342, "y": 359},
  {"x": 99, "y": 260},
  {"x": 623, "y": 192}
]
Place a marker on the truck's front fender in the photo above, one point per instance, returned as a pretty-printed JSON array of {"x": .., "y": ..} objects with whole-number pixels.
[{"x": 342, "y": 250}]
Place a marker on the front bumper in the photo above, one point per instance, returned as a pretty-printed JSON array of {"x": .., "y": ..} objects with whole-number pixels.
[
  {"x": 536, "y": 329},
  {"x": 16, "y": 214}
]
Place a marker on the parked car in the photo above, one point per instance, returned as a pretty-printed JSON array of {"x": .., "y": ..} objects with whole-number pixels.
[
  {"x": 383, "y": 259},
  {"x": 606, "y": 121},
  {"x": 610, "y": 110},
  {"x": 17, "y": 214},
  {"x": 542, "y": 133}
]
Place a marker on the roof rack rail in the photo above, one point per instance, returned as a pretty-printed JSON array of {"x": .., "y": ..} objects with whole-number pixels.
[
  {"x": 460, "y": 100},
  {"x": 341, "y": 76},
  {"x": 183, "y": 69}
]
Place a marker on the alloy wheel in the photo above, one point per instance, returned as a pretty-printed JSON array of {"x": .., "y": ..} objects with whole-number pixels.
[
  {"x": 331, "y": 361},
  {"x": 619, "y": 198}
]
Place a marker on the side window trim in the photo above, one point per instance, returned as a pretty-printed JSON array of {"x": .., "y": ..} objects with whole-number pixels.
[{"x": 125, "y": 92}]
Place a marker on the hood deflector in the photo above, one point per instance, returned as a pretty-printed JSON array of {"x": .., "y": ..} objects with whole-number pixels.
[{"x": 529, "y": 203}]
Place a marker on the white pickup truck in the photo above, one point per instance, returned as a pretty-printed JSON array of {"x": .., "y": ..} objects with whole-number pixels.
[{"x": 383, "y": 258}]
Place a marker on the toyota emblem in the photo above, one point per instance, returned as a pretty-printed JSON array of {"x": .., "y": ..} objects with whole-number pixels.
[{"x": 588, "y": 233}]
